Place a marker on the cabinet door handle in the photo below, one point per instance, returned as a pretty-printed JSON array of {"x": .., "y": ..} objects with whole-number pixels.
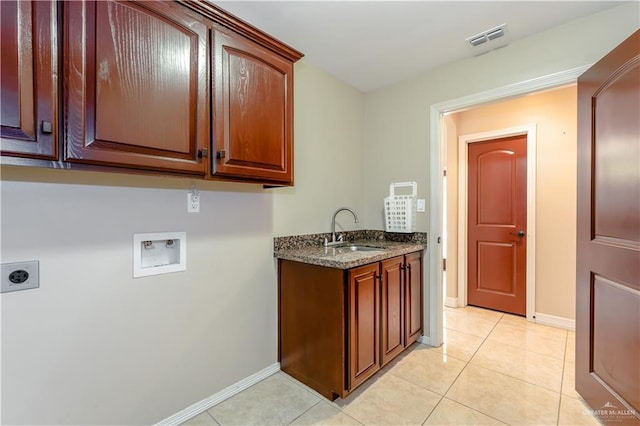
[
  {"x": 46, "y": 127},
  {"x": 221, "y": 154},
  {"x": 202, "y": 153},
  {"x": 378, "y": 277}
]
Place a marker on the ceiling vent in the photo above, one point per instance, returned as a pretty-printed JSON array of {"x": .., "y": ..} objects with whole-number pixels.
[{"x": 488, "y": 40}]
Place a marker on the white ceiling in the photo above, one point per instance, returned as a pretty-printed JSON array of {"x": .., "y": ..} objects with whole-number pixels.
[{"x": 371, "y": 44}]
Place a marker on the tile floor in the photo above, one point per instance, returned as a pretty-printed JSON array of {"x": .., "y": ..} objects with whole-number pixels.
[{"x": 493, "y": 369}]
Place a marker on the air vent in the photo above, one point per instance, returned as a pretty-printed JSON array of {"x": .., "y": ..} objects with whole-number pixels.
[
  {"x": 477, "y": 41},
  {"x": 487, "y": 36}
]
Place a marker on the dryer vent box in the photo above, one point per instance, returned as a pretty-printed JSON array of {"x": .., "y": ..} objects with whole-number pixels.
[{"x": 159, "y": 253}]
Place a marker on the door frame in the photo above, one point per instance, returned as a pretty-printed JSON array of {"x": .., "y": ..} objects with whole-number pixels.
[
  {"x": 437, "y": 164},
  {"x": 463, "y": 190}
]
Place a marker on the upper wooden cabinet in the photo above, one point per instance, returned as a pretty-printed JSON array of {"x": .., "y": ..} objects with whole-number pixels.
[
  {"x": 253, "y": 110},
  {"x": 136, "y": 85},
  {"x": 178, "y": 87},
  {"x": 28, "y": 77}
]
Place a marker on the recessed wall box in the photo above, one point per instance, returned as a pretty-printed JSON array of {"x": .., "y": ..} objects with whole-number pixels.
[{"x": 159, "y": 253}]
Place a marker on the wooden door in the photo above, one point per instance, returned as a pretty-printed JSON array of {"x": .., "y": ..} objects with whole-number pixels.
[
  {"x": 28, "y": 77},
  {"x": 364, "y": 323},
  {"x": 608, "y": 250},
  {"x": 253, "y": 111},
  {"x": 136, "y": 93},
  {"x": 497, "y": 219},
  {"x": 392, "y": 308},
  {"x": 413, "y": 298}
]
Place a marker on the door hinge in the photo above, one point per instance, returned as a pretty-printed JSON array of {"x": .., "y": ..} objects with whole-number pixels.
[{"x": 444, "y": 264}]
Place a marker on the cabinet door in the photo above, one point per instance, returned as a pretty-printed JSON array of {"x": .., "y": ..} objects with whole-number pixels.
[
  {"x": 413, "y": 297},
  {"x": 392, "y": 309},
  {"x": 28, "y": 64},
  {"x": 364, "y": 323},
  {"x": 136, "y": 94},
  {"x": 253, "y": 112}
]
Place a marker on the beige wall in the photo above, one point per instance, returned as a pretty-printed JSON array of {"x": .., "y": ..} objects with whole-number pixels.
[
  {"x": 554, "y": 115},
  {"x": 93, "y": 345},
  {"x": 328, "y": 156}
]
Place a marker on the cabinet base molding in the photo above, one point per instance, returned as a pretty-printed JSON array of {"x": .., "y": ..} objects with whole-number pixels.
[{"x": 218, "y": 397}]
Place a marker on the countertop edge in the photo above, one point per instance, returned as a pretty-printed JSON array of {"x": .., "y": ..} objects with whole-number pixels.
[{"x": 316, "y": 256}]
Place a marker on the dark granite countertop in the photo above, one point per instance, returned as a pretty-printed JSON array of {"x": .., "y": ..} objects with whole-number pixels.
[{"x": 309, "y": 248}]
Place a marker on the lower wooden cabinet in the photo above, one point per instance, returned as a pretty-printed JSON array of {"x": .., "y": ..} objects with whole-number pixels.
[
  {"x": 363, "y": 326},
  {"x": 338, "y": 327}
]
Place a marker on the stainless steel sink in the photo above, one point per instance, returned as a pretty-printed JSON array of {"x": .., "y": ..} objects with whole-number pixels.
[
  {"x": 351, "y": 248},
  {"x": 357, "y": 247}
]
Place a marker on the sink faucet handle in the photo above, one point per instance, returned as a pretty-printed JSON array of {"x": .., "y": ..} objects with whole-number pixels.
[
  {"x": 326, "y": 242},
  {"x": 340, "y": 237}
]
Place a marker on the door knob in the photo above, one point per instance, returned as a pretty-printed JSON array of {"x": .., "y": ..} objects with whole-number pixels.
[{"x": 519, "y": 233}]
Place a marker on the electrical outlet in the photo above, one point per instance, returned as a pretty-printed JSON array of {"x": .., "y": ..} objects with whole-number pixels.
[
  {"x": 421, "y": 205},
  {"x": 20, "y": 276},
  {"x": 193, "y": 202}
]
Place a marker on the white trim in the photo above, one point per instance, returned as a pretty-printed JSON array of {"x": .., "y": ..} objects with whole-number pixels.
[
  {"x": 216, "y": 398},
  {"x": 451, "y": 302},
  {"x": 463, "y": 142},
  {"x": 434, "y": 298},
  {"x": 426, "y": 340},
  {"x": 557, "y": 322}
]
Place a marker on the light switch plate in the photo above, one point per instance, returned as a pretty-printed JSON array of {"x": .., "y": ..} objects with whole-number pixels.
[
  {"x": 421, "y": 205},
  {"x": 20, "y": 276}
]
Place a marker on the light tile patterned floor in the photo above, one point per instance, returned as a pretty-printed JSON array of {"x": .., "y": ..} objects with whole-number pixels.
[{"x": 493, "y": 369}]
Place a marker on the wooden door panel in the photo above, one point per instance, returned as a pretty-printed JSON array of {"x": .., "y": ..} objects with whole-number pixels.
[
  {"x": 413, "y": 298},
  {"x": 137, "y": 89},
  {"x": 253, "y": 98},
  {"x": 497, "y": 267},
  {"x": 496, "y": 187},
  {"x": 608, "y": 249},
  {"x": 28, "y": 70},
  {"x": 364, "y": 324},
  {"x": 392, "y": 312},
  {"x": 617, "y": 160},
  {"x": 497, "y": 212},
  {"x": 133, "y": 86},
  {"x": 256, "y": 126},
  {"x": 616, "y": 304}
]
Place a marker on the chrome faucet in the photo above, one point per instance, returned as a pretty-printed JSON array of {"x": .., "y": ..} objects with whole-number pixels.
[{"x": 333, "y": 227}]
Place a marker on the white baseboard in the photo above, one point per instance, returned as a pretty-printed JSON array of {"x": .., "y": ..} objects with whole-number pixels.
[
  {"x": 451, "y": 302},
  {"x": 226, "y": 393},
  {"x": 557, "y": 322}
]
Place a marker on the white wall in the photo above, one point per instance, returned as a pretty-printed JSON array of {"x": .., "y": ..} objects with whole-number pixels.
[
  {"x": 93, "y": 345},
  {"x": 396, "y": 118}
]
